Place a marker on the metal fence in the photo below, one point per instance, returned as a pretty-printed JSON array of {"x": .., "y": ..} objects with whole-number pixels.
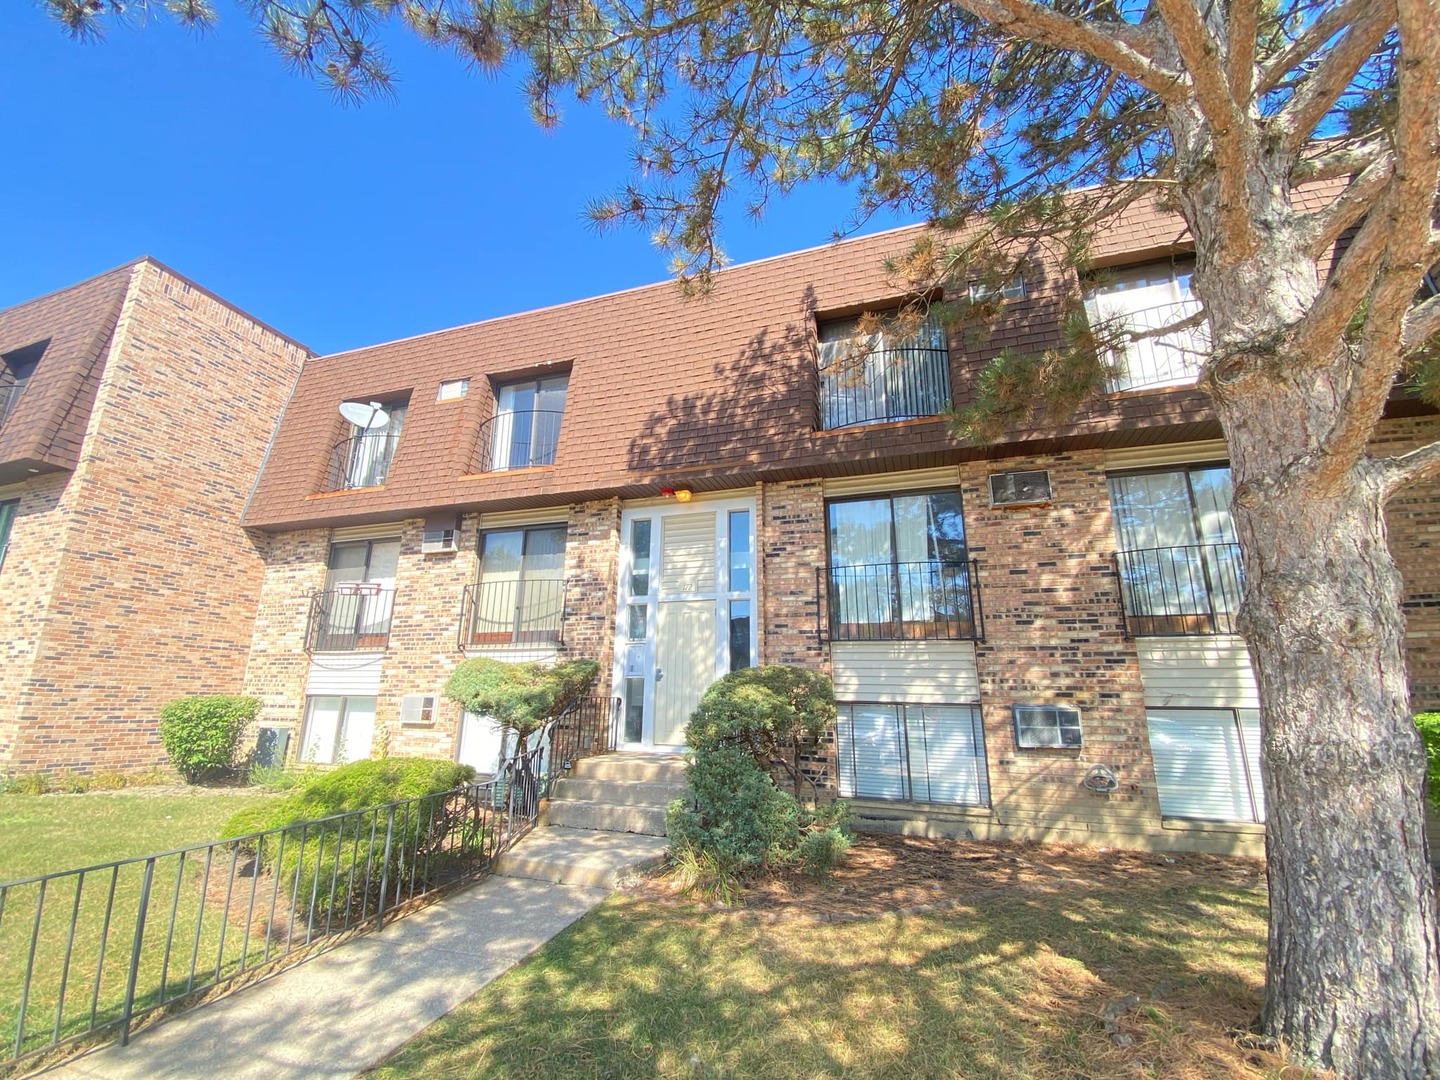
[
  {"x": 936, "y": 599},
  {"x": 86, "y": 953},
  {"x": 354, "y": 617},
  {"x": 1180, "y": 591},
  {"x": 521, "y": 612},
  {"x": 519, "y": 440}
]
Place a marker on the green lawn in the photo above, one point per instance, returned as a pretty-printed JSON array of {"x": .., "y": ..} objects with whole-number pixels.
[
  {"x": 43, "y": 833},
  {"x": 46, "y": 833},
  {"x": 1014, "y": 983}
]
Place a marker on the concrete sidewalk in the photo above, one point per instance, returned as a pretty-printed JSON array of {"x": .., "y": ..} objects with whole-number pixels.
[{"x": 345, "y": 1010}]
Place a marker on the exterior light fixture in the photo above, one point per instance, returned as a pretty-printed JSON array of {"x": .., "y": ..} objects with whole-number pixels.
[
  {"x": 679, "y": 495},
  {"x": 683, "y": 495}
]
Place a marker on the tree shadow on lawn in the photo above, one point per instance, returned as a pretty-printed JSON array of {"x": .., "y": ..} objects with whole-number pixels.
[{"x": 1013, "y": 985}]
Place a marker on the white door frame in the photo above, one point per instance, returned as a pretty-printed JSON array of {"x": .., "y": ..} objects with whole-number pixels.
[{"x": 637, "y": 658}]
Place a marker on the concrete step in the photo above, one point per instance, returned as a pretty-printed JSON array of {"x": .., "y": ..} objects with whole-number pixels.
[
  {"x": 581, "y": 856},
  {"x": 607, "y": 817},
  {"x": 619, "y": 792},
  {"x": 631, "y": 767}
]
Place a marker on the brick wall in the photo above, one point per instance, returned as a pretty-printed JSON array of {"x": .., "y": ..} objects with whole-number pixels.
[
  {"x": 791, "y": 541},
  {"x": 155, "y": 584},
  {"x": 592, "y": 559}
]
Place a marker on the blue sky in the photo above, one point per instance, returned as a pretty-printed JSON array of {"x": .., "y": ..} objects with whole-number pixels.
[{"x": 341, "y": 226}]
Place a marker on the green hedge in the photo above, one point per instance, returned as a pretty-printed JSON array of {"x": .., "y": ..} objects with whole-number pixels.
[
  {"x": 430, "y": 829},
  {"x": 201, "y": 734},
  {"x": 1429, "y": 725}
]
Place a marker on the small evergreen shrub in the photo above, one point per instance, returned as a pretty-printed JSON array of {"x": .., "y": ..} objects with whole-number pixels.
[
  {"x": 521, "y": 697},
  {"x": 201, "y": 734},
  {"x": 422, "y": 832},
  {"x": 1429, "y": 725},
  {"x": 737, "y": 822}
]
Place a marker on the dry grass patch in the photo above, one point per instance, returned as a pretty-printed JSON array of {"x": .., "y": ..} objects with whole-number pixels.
[{"x": 921, "y": 959}]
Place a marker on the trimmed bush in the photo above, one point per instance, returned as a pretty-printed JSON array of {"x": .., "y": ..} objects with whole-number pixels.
[
  {"x": 773, "y": 713},
  {"x": 201, "y": 734},
  {"x": 737, "y": 822},
  {"x": 1429, "y": 725},
  {"x": 521, "y": 697},
  {"x": 423, "y": 831}
]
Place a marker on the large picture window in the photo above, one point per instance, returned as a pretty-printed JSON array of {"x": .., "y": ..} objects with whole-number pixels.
[
  {"x": 337, "y": 729},
  {"x": 1207, "y": 763},
  {"x": 870, "y": 379},
  {"x": 1178, "y": 554},
  {"x": 520, "y": 596},
  {"x": 526, "y": 429},
  {"x": 1151, "y": 297},
  {"x": 898, "y": 569},
  {"x": 353, "y": 613},
  {"x": 363, "y": 458},
  {"x": 915, "y": 753}
]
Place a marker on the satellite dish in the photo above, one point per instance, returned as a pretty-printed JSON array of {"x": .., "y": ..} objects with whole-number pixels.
[{"x": 366, "y": 417}]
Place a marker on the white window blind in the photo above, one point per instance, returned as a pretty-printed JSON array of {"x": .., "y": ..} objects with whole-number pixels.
[{"x": 1207, "y": 763}]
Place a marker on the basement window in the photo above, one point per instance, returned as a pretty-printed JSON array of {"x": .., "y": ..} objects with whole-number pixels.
[{"x": 1046, "y": 726}]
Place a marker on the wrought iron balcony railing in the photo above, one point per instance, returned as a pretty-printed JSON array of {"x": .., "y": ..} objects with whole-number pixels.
[
  {"x": 527, "y": 611},
  {"x": 361, "y": 461},
  {"x": 1166, "y": 359},
  {"x": 519, "y": 440},
  {"x": 899, "y": 383},
  {"x": 935, "y": 599},
  {"x": 354, "y": 617},
  {"x": 1180, "y": 591}
]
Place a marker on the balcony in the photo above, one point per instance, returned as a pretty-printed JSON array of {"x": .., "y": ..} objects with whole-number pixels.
[
  {"x": 1171, "y": 359},
  {"x": 903, "y": 382},
  {"x": 915, "y": 601},
  {"x": 1180, "y": 591},
  {"x": 511, "y": 612},
  {"x": 361, "y": 461},
  {"x": 519, "y": 440},
  {"x": 350, "y": 618}
]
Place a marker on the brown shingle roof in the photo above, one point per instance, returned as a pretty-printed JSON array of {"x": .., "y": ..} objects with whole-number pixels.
[{"x": 45, "y": 428}]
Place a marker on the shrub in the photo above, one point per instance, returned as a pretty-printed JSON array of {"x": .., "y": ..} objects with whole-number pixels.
[
  {"x": 773, "y": 713},
  {"x": 738, "y": 815},
  {"x": 201, "y": 733},
  {"x": 521, "y": 697},
  {"x": 421, "y": 831},
  {"x": 820, "y": 851},
  {"x": 1429, "y": 725}
]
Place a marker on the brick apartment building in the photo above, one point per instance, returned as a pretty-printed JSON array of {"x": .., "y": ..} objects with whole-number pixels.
[
  {"x": 135, "y": 408},
  {"x": 676, "y": 488}
]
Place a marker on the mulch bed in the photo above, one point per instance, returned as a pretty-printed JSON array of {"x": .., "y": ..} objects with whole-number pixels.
[{"x": 884, "y": 874}]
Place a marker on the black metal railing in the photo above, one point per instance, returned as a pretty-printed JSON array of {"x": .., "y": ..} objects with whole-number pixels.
[
  {"x": 528, "y": 611},
  {"x": 898, "y": 383},
  {"x": 350, "y": 618},
  {"x": 9, "y": 396},
  {"x": 361, "y": 461},
  {"x": 1179, "y": 591},
  {"x": 1163, "y": 359},
  {"x": 85, "y": 954},
  {"x": 935, "y": 599},
  {"x": 519, "y": 440},
  {"x": 587, "y": 729}
]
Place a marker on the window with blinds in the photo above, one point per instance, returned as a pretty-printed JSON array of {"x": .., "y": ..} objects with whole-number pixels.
[
  {"x": 1207, "y": 763},
  {"x": 874, "y": 378},
  {"x": 912, "y": 753}
]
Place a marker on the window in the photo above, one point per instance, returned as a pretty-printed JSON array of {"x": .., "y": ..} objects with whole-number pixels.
[
  {"x": 453, "y": 390},
  {"x": 362, "y": 459},
  {"x": 520, "y": 597},
  {"x": 875, "y": 378},
  {"x": 526, "y": 429},
  {"x": 1151, "y": 297},
  {"x": 1040, "y": 726},
  {"x": 1207, "y": 763},
  {"x": 1177, "y": 554},
  {"x": 16, "y": 367},
  {"x": 1014, "y": 289},
  {"x": 9, "y": 509},
  {"x": 898, "y": 569},
  {"x": 337, "y": 730},
  {"x": 916, "y": 753},
  {"x": 353, "y": 612}
]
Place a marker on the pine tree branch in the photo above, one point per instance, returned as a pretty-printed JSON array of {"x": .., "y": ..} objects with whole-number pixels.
[
  {"x": 1422, "y": 322},
  {"x": 1419, "y": 464},
  {"x": 1326, "y": 25},
  {"x": 1241, "y": 34},
  {"x": 1230, "y": 130},
  {"x": 1325, "y": 225},
  {"x": 1125, "y": 47},
  {"x": 1317, "y": 93},
  {"x": 1346, "y": 159}
]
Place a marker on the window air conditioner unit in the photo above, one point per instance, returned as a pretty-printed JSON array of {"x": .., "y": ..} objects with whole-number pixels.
[
  {"x": 417, "y": 709},
  {"x": 437, "y": 541},
  {"x": 1020, "y": 488}
]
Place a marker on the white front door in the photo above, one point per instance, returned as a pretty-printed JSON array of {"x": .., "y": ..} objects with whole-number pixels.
[{"x": 686, "y": 612}]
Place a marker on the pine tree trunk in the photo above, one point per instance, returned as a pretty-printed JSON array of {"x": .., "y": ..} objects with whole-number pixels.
[{"x": 1353, "y": 972}]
